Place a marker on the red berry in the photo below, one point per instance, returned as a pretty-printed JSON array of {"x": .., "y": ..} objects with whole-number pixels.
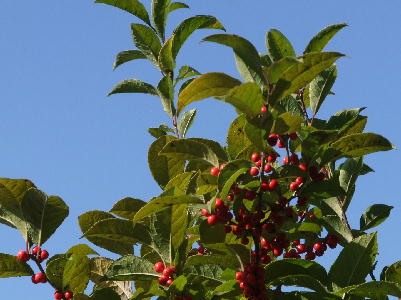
[
  {"x": 263, "y": 109},
  {"x": 272, "y": 157},
  {"x": 40, "y": 277},
  {"x": 230, "y": 198},
  {"x": 245, "y": 241},
  {"x": 277, "y": 251},
  {"x": 201, "y": 250},
  {"x": 294, "y": 186},
  {"x": 227, "y": 229},
  {"x": 58, "y": 295},
  {"x": 293, "y": 136},
  {"x": 33, "y": 278},
  {"x": 268, "y": 168},
  {"x": 258, "y": 163},
  {"x": 318, "y": 246},
  {"x": 273, "y": 184},
  {"x": 254, "y": 171},
  {"x": 44, "y": 254},
  {"x": 299, "y": 180},
  {"x": 272, "y": 139},
  {"x": 167, "y": 272},
  {"x": 240, "y": 276},
  {"x": 266, "y": 259},
  {"x": 237, "y": 230},
  {"x": 319, "y": 252},
  {"x": 310, "y": 256},
  {"x": 222, "y": 166},
  {"x": 332, "y": 243},
  {"x": 264, "y": 186},
  {"x": 280, "y": 144},
  {"x": 255, "y": 157},
  {"x": 173, "y": 268},
  {"x": 68, "y": 295},
  {"x": 162, "y": 280},
  {"x": 294, "y": 159},
  {"x": 285, "y": 160},
  {"x": 169, "y": 281},
  {"x": 303, "y": 167},
  {"x": 214, "y": 171},
  {"x": 35, "y": 250},
  {"x": 312, "y": 216},
  {"x": 219, "y": 203},
  {"x": 204, "y": 212},
  {"x": 23, "y": 255},
  {"x": 159, "y": 267},
  {"x": 301, "y": 248},
  {"x": 212, "y": 219}
]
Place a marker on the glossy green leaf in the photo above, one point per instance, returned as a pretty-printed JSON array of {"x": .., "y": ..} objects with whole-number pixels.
[
  {"x": 355, "y": 261},
  {"x": 287, "y": 123},
  {"x": 301, "y": 74},
  {"x": 43, "y": 213},
  {"x": 76, "y": 273},
  {"x": 211, "y": 234},
  {"x": 323, "y": 189},
  {"x": 163, "y": 168},
  {"x": 392, "y": 273},
  {"x": 320, "y": 87},
  {"x": 166, "y": 59},
  {"x": 55, "y": 267},
  {"x": 161, "y": 232},
  {"x": 10, "y": 266},
  {"x": 279, "y": 67},
  {"x": 160, "y": 203},
  {"x": 81, "y": 249},
  {"x": 146, "y": 40},
  {"x": 188, "y": 26},
  {"x": 335, "y": 225},
  {"x": 133, "y": 86},
  {"x": 206, "y": 270},
  {"x": 245, "y": 51},
  {"x": 160, "y": 131},
  {"x": 278, "y": 45},
  {"x": 372, "y": 289},
  {"x": 185, "y": 149},
  {"x": 360, "y": 144},
  {"x": 126, "y": 56},
  {"x": 134, "y": 7},
  {"x": 215, "y": 146},
  {"x": 348, "y": 174},
  {"x": 176, "y": 5},
  {"x": 185, "y": 122},
  {"x": 131, "y": 267},
  {"x": 374, "y": 215},
  {"x": 105, "y": 294},
  {"x": 206, "y": 86},
  {"x": 166, "y": 93},
  {"x": 127, "y": 208},
  {"x": 160, "y": 11},
  {"x": 320, "y": 40},
  {"x": 340, "y": 118},
  {"x": 301, "y": 280},
  {"x": 236, "y": 138},
  {"x": 208, "y": 260},
  {"x": 186, "y": 72}
]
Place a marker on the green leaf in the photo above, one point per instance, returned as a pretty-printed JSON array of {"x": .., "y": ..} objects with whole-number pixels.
[
  {"x": 236, "y": 138},
  {"x": 301, "y": 280},
  {"x": 215, "y": 146},
  {"x": 186, "y": 122},
  {"x": 160, "y": 10},
  {"x": 206, "y": 86},
  {"x": 166, "y": 59},
  {"x": 287, "y": 123},
  {"x": 246, "y": 98},
  {"x": 10, "y": 266},
  {"x": 163, "y": 168},
  {"x": 81, "y": 249},
  {"x": 132, "y": 6},
  {"x": 373, "y": 290},
  {"x": 127, "y": 208},
  {"x": 176, "y": 5},
  {"x": 348, "y": 174},
  {"x": 105, "y": 294},
  {"x": 278, "y": 45},
  {"x": 323, "y": 189},
  {"x": 130, "y": 268},
  {"x": 188, "y": 26},
  {"x": 43, "y": 213},
  {"x": 337, "y": 121},
  {"x": 334, "y": 224},
  {"x": 205, "y": 260},
  {"x": 355, "y": 261},
  {"x": 276, "y": 69},
  {"x": 320, "y": 87},
  {"x": 55, "y": 267},
  {"x": 392, "y": 273},
  {"x": 76, "y": 273},
  {"x": 146, "y": 40},
  {"x": 185, "y": 149},
  {"x": 374, "y": 215},
  {"x": 320, "y": 40},
  {"x": 160, "y": 203},
  {"x": 230, "y": 174},
  {"x": 166, "y": 93},
  {"x": 133, "y": 86},
  {"x": 211, "y": 234},
  {"x": 186, "y": 72},
  {"x": 209, "y": 271},
  {"x": 126, "y": 56},
  {"x": 160, "y": 131},
  {"x": 301, "y": 74},
  {"x": 245, "y": 51},
  {"x": 360, "y": 144}
]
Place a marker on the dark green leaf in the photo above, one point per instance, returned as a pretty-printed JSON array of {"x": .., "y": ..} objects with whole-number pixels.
[
  {"x": 278, "y": 45},
  {"x": 237, "y": 139},
  {"x": 340, "y": 118},
  {"x": 185, "y": 122},
  {"x": 348, "y": 174},
  {"x": 10, "y": 266},
  {"x": 166, "y": 93},
  {"x": 245, "y": 51},
  {"x": 127, "y": 208},
  {"x": 132, "y": 6},
  {"x": 210, "y": 271},
  {"x": 176, "y": 5},
  {"x": 76, "y": 273},
  {"x": 126, "y": 56},
  {"x": 166, "y": 59},
  {"x": 320, "y": 40},
  {"x": 320, "y": 87},
  {"x": 287, "y": 123},
  {"x": 133, "y": 86},
  {"x": 163, "y": 168},
  {"x": 374, "y": 215},
  {"x": 185, "y": 149},
  {"x": 212, "y": 234},
  {"x": 392, "y": 273},
  {"x": 276, "y": 70},
  {"x": 160, "y": 10},
  {"x": 323, "y": 189},
  {"x": 206, "y": 86},
  {"x": 215, "y": 146},
  {"x": 146, "y": 40},
  {"x": 301, "y": 74},
  {"x": 355, "y": 261},
  {"x": 131, "y": 267},
  {"x": 334, "y": 224},
  {"x": 55, "y": 269},
  {"x": 105, "y": 294},
  {"x": 186, "y": 72},
  {"x": 81, "y": 249},
  {"x": 373, "y": 290}
]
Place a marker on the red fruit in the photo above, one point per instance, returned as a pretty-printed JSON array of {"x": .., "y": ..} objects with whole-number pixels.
[
  {"x": 33, "y": 278},
  {"x": 294, "y": 186},
  {"x": 272, "y": 139},
  {"x": 303, "y": 167},
  {"x": 332, "y": 243},
  {"x": 258, "y": 163},
  {"x": 299, "y": 180},
  {"x": 312, "y": 216},
  {"x": 318, "y": 246},
  {"x": 23, "y": 255},
  {"x": 201, "y": 250},
  {"x": 277, "y": 251},
  {"x": 280, "y": 144},
  {"x": 296, "y": 243},
  {"x": 219, "y": 203},
  {"x": 222, "y": 166},
  {"x": 58, "y": 295},
  {"x": 270, "y": 227},
  {"x": 294, "y": 159},
  {"x": 40, "y": 277},
  {"x": 240, "y": 276},
  {"x": 263, "y": 109},
  {"x": 237, "y": 230},
  {"x": 162, "y": 280},
  {"x": 173, "y": 269},
  {"x": 159, "y": 267},
  {"x": 285, "y": 160},
  {"x": 212, "y": 219},
  {"x": 319, "y": 252},
  {"x": 230, "y": 198},
  {"x": 255, "y": 157},
  {"x": 293, "y": 136},
  {"x": 273, "y": 184},
  {"x": 227, "y": 229},
  {"x": 167, "y": 272},
  {"x": 272, "y": 157},
  {"x": 169, "y": 281},
  {"x": 254, "y": 171},
  {"x": 266, "y": 259},
  {"x": 301, "y": 248},
  {"x": 44, "y": 254},
  {"x": 204, "y": 212},
  {"x": 245, "y": 241},
  {"x": 264, "y": 242},
  {"x": 214, "y": 171},
  {"x": 268, "y": 168},
  {"x": 68, "y": 295},
  {"x": 264, "y": 186},
  {"x": 35, "y": 250},
  {"x": 310, "y": 256},
  {"x": 313, "y": 171}
]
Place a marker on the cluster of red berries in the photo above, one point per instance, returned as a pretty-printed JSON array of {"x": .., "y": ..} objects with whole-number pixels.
[
  {"x": 167, "y": 273},
  {"x": 252, "y": 282},
  {"x": 60, "y": 295},
  {"x": 38, "y": 254},
  {"x": 222, "y": 213}
]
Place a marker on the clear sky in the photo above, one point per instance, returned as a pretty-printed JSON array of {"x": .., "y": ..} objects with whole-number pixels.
[{"x": 61, "y": 131}]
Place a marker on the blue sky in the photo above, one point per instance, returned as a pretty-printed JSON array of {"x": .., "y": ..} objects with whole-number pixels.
[{"x": 61, "y": 131}]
